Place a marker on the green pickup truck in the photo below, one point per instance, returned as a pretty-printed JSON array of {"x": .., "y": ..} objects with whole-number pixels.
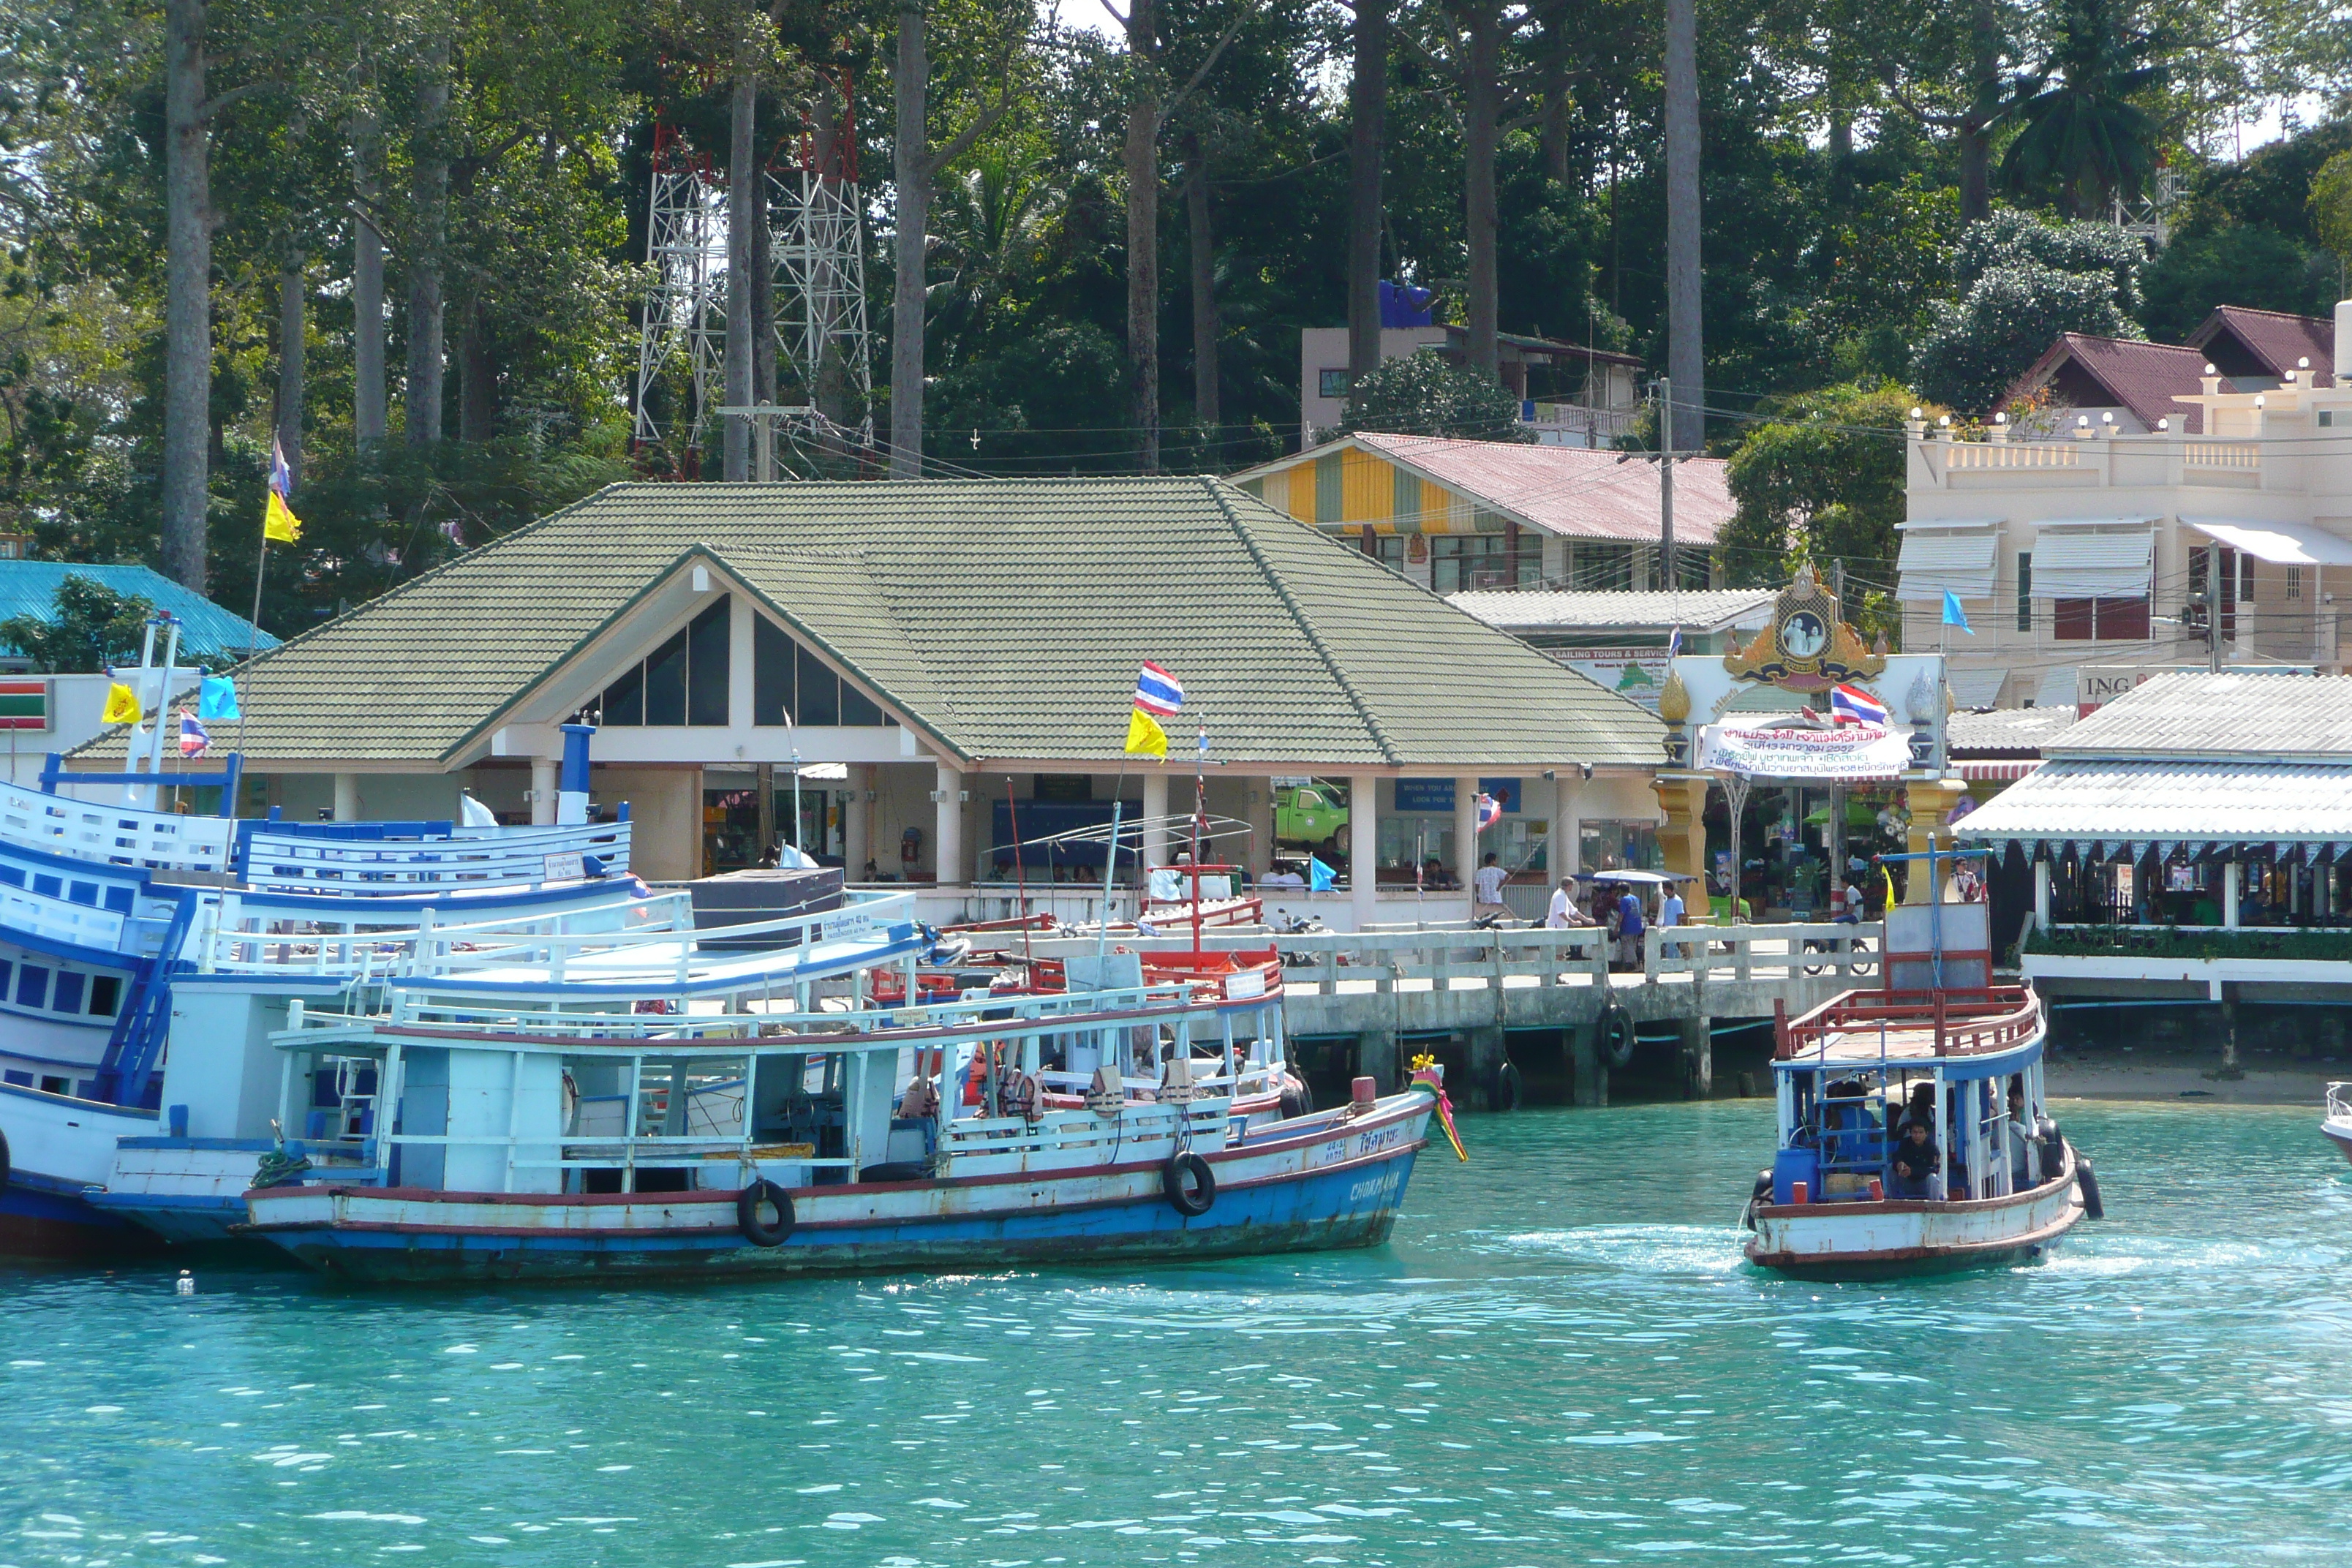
[{"x": 1305, "y": 815}]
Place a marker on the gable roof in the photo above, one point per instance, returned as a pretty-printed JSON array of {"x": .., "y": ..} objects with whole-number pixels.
[
  {"x": 2235, "y": 714},
  {"x": 1002, "y": 619},
  {"x": 1541, "y": 609},
  {"x": 2270, "y": 342},
  {"x": 209, "y": 634},
  {"x": 2142, "y": 377},
  {"x": 1578, "y": 491}
]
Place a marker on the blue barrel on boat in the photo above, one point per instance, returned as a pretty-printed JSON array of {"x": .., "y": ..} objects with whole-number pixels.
[{"x": 1793, "y": 1165}]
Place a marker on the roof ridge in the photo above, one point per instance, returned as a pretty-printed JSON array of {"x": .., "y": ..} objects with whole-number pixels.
[{"x": 1220, "y": 493}]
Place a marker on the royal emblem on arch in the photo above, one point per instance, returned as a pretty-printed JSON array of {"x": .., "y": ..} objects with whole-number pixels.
[{"x": 1805, "y": 646}]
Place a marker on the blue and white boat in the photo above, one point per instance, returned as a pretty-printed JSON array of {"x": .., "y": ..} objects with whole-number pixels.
[
  {"x": 719, "y": 1120},
  {"x": 1914, "y": 1135}
]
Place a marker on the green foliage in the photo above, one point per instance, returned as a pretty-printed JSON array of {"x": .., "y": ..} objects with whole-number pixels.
[
  {"x": 90, "y": 627},
  {"x": 2084, "y": 134},
  {"x": 1819, "y": 479},
  {"x": 2253, "y": 265},
  {"x": 2331, "y": 204},
  {"x": 2025, "y": 283},
  {"x": 2160, "y": 942},
  {"x": 1424, "y": 394}
]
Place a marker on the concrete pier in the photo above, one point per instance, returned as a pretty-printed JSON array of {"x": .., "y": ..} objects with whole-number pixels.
[{"x": 1697, "y": 1055}]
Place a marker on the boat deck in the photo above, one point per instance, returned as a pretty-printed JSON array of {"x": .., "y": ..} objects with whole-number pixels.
[{"x": 1873, "y": 1026}]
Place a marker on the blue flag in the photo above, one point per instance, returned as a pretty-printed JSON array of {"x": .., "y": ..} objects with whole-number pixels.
[
  {"x": 217, "y": 699},
  {"x": 1320, "y": 878},
  {"x": 1954, "y": 615}
]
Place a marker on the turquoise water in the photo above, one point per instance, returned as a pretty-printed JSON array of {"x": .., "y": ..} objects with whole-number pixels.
[{"x": 1557, "y": 1360}]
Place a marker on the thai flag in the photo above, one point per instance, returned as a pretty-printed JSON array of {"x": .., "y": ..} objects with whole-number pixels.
[
  {"x": 1157, "y": 692},
  {"x": 1490, "y": 811},
  {"x": 1852, "y": 705},
  {"x": 194, "y": 741}
]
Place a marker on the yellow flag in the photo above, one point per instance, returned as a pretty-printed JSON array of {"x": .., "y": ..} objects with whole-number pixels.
[
  {"x": 282, "y": 526},
  {"x": 1145, "y": 738},
  {"x": 122, "y": 705}
]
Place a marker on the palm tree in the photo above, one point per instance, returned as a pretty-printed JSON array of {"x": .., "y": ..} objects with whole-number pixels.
[{"x": 2082, "y": 138}]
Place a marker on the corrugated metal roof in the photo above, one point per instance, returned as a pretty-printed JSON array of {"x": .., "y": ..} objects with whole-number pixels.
[
  {"x": 2006, "y": 731},
  {"x": 2237, "y": 713},
  {"x": 1005, "y": 618},
  {"x": 1531, "y": 609},
  {"x": 212, "y": 633},
  {"x": 2142, "y": 377},
  {"x": 1577, "y": 491},
  {"x": 2191, "y": 802}
]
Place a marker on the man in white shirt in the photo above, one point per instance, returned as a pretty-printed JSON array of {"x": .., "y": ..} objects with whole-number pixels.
[
  {"x": 1670, "y": 908},
  {"x": 1489, "y": 882},
  {"x": 1564, "y": 912}
]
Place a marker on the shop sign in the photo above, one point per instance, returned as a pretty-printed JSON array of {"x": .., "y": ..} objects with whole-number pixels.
[
  {"x": 23, "y": 705},
  {"x": 1423, "y": 797},
  {"x": 1639, "y": 673},
  {"x": 1850, "y": 752}
]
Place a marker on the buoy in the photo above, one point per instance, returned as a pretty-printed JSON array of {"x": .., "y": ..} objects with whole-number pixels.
[{"x": 186, "y": 1285}]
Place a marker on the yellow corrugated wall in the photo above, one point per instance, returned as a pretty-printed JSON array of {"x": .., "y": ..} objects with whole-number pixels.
[{"x": 1366, "y": 487}]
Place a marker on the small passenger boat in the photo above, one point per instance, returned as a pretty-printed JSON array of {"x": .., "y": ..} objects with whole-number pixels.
[
  {"x": 1912, "y": 1138},
  {"x": 2337, "y": 1128}
]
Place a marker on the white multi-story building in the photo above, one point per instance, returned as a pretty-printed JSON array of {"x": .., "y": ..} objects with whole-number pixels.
[{"x": 2086, "y": 562}]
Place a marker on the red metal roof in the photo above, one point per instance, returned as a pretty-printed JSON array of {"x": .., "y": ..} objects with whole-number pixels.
[
  {"x": 1573, "y": 491},
  {"x": 2142, "y": 377},
  {"x": 2272, "y": 340}
]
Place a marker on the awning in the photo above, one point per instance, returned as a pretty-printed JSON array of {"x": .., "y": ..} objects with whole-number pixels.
[
  {"x": 1976, "y": 688},
  {"x": 1992, "y": 770},
  {"x": 2085, "y": 800},
  {"x": 2105, "y": 558},
  {"x": 1938, "y": 558},
  {"x": 2284, "y": 543}
]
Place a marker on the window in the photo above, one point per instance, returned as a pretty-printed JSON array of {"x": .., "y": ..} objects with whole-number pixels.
[
  {"x": 790, "y": 683},
  {"x": 2327, "y": 418},
  {"x": 1464, "y": 561},
  {"x": 32, "y": 986},
  {"x": 2295, "y": 582},
  {"x": 2025, "y": 590},
  {"x": 1592, "y": 565},
  {"x": 1692, "y": 568},
  {"x": 105, "y": 995},
  {"x": 2099, "y": 620},
  {"x": 21, "y": 1079},
  {"x": 66, "y": 997},
  {"x": 1332, "y": 383},
  {"x": 683, "y": 681}
]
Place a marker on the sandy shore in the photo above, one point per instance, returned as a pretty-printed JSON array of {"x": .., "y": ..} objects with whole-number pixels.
[{"x": 2271, "y": 1077}]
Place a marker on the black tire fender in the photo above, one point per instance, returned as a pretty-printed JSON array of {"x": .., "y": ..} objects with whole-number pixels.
[
  {"x": 1190, "y": 1185},
  {"x": 1297, "y": 1099},
  {"x": 4, "y": 1165},
  {"x": 1510, "y": 1089},
  {"x": 757, "y": 1231},
  {"x": 1617, "y": 1036},
  {"x": 2087, "y": 1181}
]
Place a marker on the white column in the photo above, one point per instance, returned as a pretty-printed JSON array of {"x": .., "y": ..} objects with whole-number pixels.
[
  {"x": 2041, "y": 895},
  {"x": 2233, "y": 879},
  {"x": 1363, "y": 846},
  {"x": 347, "y": 797},
  {"x": 1566, "y": 840},
  {"x": 856, "y": 845},
  {"x": 1466, "y": 830},
  {"x": 1155, "y": 817},
  {"x": 947, "y": 832},
  {"x": 542, "y": 792}
]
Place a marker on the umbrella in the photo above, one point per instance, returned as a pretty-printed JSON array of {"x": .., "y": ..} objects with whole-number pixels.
[{"x": 1647, "y": 879}]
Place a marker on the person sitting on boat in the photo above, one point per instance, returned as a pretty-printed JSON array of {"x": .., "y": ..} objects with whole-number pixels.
[
  {"x": 1914, "y": 1161},
  {"x": 2023, "y": 1137}
]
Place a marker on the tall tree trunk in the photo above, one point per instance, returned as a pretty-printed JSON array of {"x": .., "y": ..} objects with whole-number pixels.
[
  {"x": 910, "y": 154},
  {"x": 367, "y": 284},
  {"x": 1686, "y": 349},
  {"x": 1975, "y": 172},
  {"x": 1142, "y": 158},
  {"x": 764, "y": 297},
  {"x": 1985, "y": 96},
  {"x": 429, "y": 191},
  {"x": 187, "y": 303},
  {"x": 736, "y": 429},
  {"x": 1367, "y": 103},
  {"x": 1201, "y": 245},
  {"x": 478, "y": 371},
  {"x": 1480, "y": 131},
  {"x": 292, "y": 327},
  {"x": 1556, "y": 100}
]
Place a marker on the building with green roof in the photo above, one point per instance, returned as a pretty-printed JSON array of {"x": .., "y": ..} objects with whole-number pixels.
[{"x": 958, "y": 659}]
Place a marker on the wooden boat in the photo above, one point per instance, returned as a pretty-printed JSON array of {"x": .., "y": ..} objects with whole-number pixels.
[
  {"x": 553, "y": 1132},
  {"x": 2337, "y": 1128},
  {"x": 1835, "y": 1204}
]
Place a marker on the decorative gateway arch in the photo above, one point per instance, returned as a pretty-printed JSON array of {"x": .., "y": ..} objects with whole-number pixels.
[{"x": 1805, "y": 649}]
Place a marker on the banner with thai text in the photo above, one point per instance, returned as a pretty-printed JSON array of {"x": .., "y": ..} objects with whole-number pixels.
[{"x": 1850, "y": 752}]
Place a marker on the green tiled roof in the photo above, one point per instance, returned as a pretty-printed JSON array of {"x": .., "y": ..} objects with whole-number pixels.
[{"x": 1003, "y": 619}]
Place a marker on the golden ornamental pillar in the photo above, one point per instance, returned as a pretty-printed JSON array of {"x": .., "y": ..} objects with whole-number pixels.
[
  {"x": 1931, "y": 802},
  {"x": 1683, "y": 837}
]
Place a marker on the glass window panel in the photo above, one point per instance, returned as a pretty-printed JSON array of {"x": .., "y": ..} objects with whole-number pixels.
[
  {"x": 666, "y": 683},
  {"x": 856, "y": 708},
  {"x": 32, "y": 986},
  {"x": 706, "y": 641},
  {"x": 105, "y": 994},
  {"x": 2025, "y": 587},
  {"x": 65, "y": 996},
  {"x": 625, "y": 700},
  {"x": 820, "y": 691},
  {"x": 772, "y": 672}
]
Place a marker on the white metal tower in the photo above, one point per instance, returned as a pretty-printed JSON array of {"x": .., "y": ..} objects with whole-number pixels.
[
  {"x": 820, "y": 339},
  {"x": 686, "y": 248}
]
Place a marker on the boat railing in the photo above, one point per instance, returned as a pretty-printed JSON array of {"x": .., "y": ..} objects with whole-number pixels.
[
  {"x": 290, "y": 861},
  {"x": 1960, "y": 1024},
  {"x": 116, "y": 834},
  {"x": 603, "y": 955},
  {"x": 1139, "y": 1121},
  {"x": 264, "y": 934},
  {"x": 2339, "y": 1103}
]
